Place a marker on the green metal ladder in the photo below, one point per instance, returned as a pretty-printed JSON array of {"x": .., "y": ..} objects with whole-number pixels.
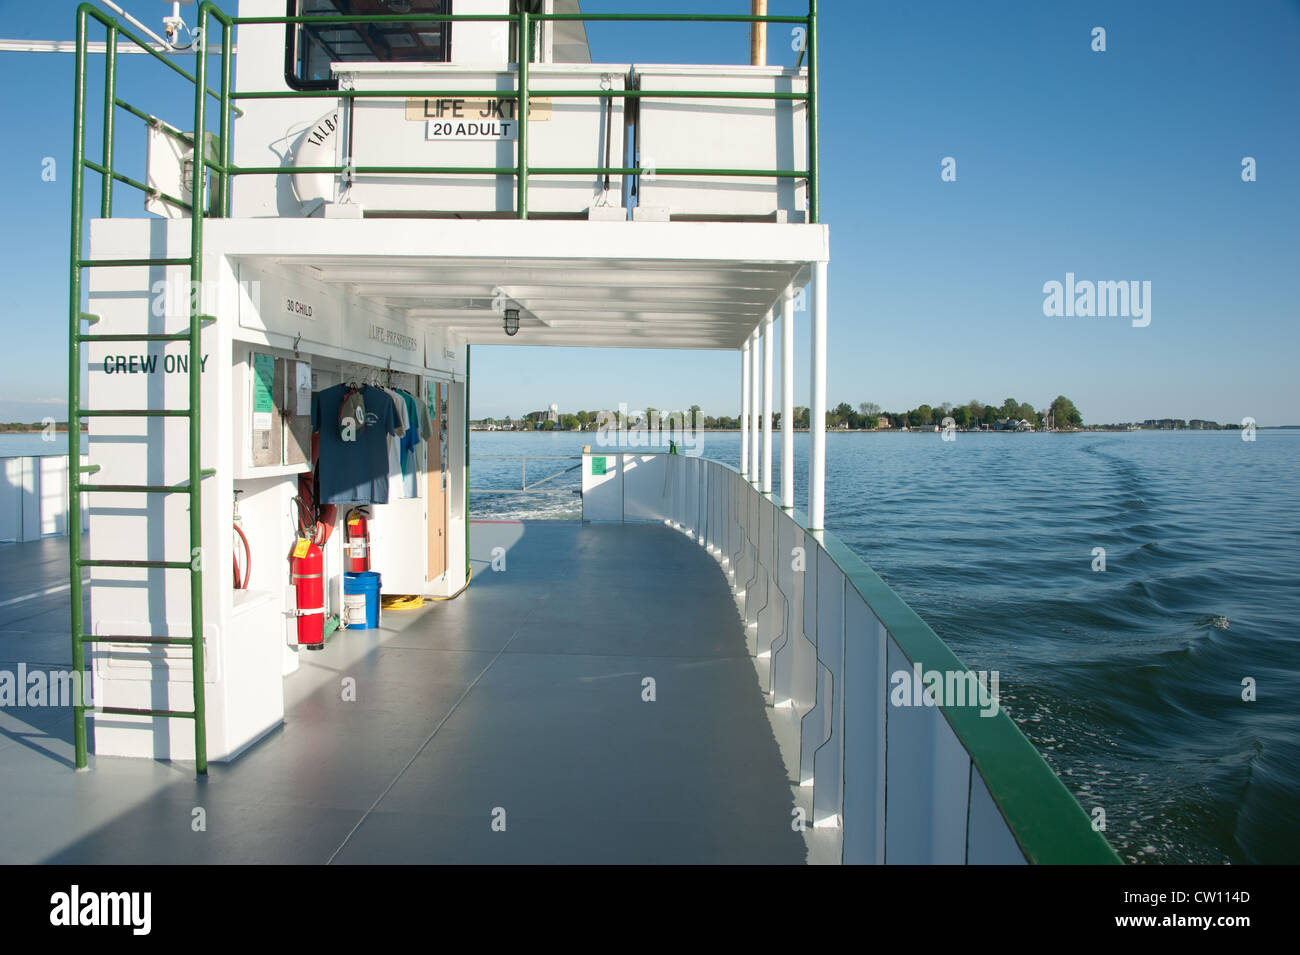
[{"x": 76, "y": 414}]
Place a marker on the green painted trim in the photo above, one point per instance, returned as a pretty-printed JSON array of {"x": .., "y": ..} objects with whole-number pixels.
[
  {"x": 1048, "y": 823},
  {"x": 74, "y": 389},
  {"x": 814, "y": 150},
  {"x": 1044, "y": 818}
]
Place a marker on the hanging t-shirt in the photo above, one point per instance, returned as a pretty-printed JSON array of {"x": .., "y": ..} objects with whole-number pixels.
[
  {"x": 356, "y": 469},
  {"x": 409, "y": 443},
  {"x": 426, "y": 426},
  {"x": 395, "y": 448}
]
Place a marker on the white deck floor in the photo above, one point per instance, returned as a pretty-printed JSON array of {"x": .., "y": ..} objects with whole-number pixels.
[{"x": 525, "y": 693}]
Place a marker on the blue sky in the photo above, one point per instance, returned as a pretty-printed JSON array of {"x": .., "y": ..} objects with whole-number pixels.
[{"x": 1122, "y": 165}]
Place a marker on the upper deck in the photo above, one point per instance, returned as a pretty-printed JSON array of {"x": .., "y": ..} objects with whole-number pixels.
[{"x": 487, "y": 111}]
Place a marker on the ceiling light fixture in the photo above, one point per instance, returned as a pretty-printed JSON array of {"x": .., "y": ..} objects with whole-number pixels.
[{"x": 512, "y": 321}]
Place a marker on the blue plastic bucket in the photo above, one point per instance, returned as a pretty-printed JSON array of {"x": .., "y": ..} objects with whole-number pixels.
[{"x": 363, "y": 613}]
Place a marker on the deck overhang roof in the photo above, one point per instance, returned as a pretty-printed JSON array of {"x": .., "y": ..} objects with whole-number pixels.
[{"x": 701, "y": 285}]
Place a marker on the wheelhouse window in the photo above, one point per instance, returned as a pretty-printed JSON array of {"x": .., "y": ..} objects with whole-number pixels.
[{"x": 312, "y": 47}]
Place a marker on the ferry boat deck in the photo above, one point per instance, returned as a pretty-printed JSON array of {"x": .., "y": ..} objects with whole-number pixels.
[
  {"x": 524, "y": 694},
  {"x": 696, "y": 672}
]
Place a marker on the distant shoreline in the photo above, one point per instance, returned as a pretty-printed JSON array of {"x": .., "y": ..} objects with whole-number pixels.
[
  {"x": 777, "y": 430},
  {"x": 40, "y": 429}
]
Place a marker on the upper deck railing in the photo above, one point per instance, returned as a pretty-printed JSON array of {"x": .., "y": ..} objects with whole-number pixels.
[{"x": 218, "y": 161}]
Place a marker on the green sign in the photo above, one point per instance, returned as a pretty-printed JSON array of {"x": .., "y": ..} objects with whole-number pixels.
[
  {"x": 597, "y": 467},
  {"x": 263, "y": 383}
]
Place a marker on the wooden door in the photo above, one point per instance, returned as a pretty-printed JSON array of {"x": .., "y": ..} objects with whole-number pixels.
[{"x": 437, "y": 497}]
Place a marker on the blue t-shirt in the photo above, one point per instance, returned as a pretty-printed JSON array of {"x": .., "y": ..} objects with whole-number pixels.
[
  {"x": 412, "y": 436},
  {"x": 355, "y": 470}
]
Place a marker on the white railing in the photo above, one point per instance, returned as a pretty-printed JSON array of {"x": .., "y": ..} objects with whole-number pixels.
[
  {"x": 34, "y": 497},
  {"x": 898, "y": 775}
]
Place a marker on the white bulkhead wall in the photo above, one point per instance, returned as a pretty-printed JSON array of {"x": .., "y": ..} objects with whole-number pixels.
[
  {"x": 270, "y": 128},
  {"x": 244, "y": 631}
]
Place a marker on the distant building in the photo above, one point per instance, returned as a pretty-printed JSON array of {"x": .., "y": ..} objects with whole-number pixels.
[
  {"x": 882, "y": 421},
  {"x": 1012, "y": 424}
]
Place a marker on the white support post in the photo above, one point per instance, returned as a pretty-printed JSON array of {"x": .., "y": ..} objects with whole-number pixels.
[
  {"x": 817, "y": 423},
  {"x": 787, "y": 398},
  {"x": 767, "y": 401},
  {"x": 744, "y": 410},
  {"x": 756, "y": 382}
]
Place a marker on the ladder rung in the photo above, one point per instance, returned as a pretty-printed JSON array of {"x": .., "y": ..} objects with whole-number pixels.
[
  {"x": 144, "y": 641},
  {"x": 133, "y": 711},
  {"x": 155, "y": 564},
  {"x": 149, "y": 337},
  {"x": 136, "y": 488},
  {"x": 183, "y": 488},
  {"x": 124, "y": 263},
  {"x": 88, "y": 468},
  {"x": 134, "y": 413},
  {"x": 89, "y": 317}
]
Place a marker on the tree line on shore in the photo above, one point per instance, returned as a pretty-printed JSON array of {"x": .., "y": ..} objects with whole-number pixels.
[
  {"x": 867, "y": 416},
  {"x": 26, "y": 427}
]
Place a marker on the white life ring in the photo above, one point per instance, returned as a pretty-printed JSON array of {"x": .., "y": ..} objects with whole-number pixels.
[{"x": 317, "y": 146}]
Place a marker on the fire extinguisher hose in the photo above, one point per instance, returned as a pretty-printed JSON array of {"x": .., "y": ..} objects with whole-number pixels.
[
  {"x": 248, "y": 561},
  {"x": 309, "y": 523},
  {"x": 468, "y": 574}
]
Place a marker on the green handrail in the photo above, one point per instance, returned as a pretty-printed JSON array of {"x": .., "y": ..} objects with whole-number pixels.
[
  {"x": 74, "y": 392},
  {"x": 522, "y": 171},
  {"x": 810, "y": 40},
  {"x": 193, "y": 487},
  {"x": 525, "y": 58}
]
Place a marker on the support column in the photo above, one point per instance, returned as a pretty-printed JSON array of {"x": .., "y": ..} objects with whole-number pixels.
[
  {"x": 767, "y": 401},
  {"x": 744, "y": 410},
  {"x": 755, "y": 403},
  {"x": 817, "y": 423},
  {"x": 787, "y": 398}
]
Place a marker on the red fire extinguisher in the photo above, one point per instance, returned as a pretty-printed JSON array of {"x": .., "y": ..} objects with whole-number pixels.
[
  {"x": 356, "y": 539},
  {"x": 306, "y": 569}
]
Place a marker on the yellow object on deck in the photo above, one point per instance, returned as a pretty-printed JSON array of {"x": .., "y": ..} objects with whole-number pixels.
[{"x": 401, "y": 601}]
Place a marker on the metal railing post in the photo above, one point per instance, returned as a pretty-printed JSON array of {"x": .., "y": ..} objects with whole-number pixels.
[
  {"x": 110, "y": 85},
  {"x": 465, "y": 422},
  {"x": 744, "y": 409},
  {"x": 199, "y": 200},
  {"x": 525, "y": 56},
  {"x": 814, "y": 194},
  {"x": 224, "y": 154},
  {"x": 817, "y": 401},
  {"x": 766, "y": 471},
  {"x": 756, "y": 405},
  {"x": 74, "y": 397},
  {"x": 787, "y": 398}
]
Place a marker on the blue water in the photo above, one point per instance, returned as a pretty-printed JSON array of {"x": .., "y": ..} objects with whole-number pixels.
[
  {"x": 34, "y": 445},
  {"x": 1128, "y": 680}
]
